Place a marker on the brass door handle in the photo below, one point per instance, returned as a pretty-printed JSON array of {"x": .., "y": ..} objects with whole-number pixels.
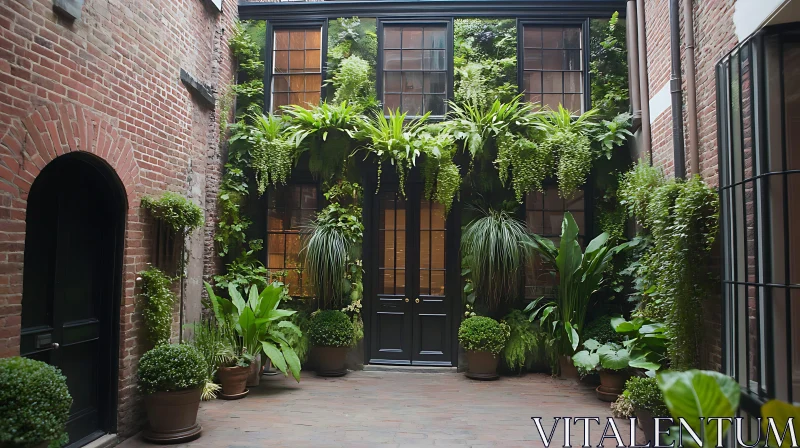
[
  {"x": 416, "y": 301},
  {"x": 406, "y": 299}
]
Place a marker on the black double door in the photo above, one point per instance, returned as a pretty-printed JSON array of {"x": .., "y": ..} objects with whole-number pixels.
[
  {"x": 412, "y": 271},
  {"x": 70, "y": 273}
]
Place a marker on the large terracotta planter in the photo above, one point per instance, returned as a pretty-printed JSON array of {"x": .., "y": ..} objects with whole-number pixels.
[
  {"x": 234, "y": 381},
  {"x": 330, "y": 360},
  {"x": 567, "y": 369},
  {"x": 482, "y": 365},
  {"x": 612, "y": 383},
  {"x": 254, "y": 376},
  {"x": 172, "y": 416}
]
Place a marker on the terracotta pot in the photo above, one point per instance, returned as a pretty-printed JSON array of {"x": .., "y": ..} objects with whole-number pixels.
[
  {"x": 482, "y": 365},
  {"x": 613, "y": 380},
  {"x": 254, "y": 376},
  {"x": 330, "y": 361},
  {"x": 647, "y": 421},
  {"x": 567, "y": 369},
  {"x": 172, "y": 416},
  {"x": 233, "y": 379}
]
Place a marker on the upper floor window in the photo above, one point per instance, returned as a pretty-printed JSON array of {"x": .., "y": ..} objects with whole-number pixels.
[
  {"x": 288, "y": 210},
  {"x": 553, "y": 66},
  {"x": 415, "y": 68},
  {"x": 296, "y": 67}
]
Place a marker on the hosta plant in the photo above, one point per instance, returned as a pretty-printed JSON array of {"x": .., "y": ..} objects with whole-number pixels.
[
  {"x": 34, "y": 403},
  {"x": 646, "y": 340},
  {"x": 596, "y": 356}
]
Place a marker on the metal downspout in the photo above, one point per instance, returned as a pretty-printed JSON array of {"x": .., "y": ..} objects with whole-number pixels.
[
  {"x": 691, "y": 89},
  {"x": 679, "y": 160},
  {"x": 644, "y": 88}
]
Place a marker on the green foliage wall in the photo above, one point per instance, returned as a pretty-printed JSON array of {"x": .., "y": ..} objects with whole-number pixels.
[
  {"x": 352, "y": 56},
  {"x": 485, "y": 60}
]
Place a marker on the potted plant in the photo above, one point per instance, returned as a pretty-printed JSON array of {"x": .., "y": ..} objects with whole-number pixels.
[
  {"x": 331, "y": 333},
  {"x": 610, "y": 360},
  {"x": 254, "y": 326},
  {"x": 172, "y": 378},
  {"x": 579, "y": 276},
  {"x": 646, "y": 342},
  {"x": 648, "y": 403},
  {"x": 483, "y": 338},
  {"x": 34, "y": 404}
]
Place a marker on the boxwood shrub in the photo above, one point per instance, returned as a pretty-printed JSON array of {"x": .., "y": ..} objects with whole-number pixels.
[
  {"x": 169, "y": 368},
  {"x": 645, "y": 394},
  {"x": 483, "y": 334},
  {"x": 331, "y": 328},
  {"x": 34, "y": 403},
  {"x": 600, "y": 330}
]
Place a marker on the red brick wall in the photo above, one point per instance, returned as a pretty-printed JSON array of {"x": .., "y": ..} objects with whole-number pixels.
[
  {"x": 109, "y": 85},
  {"x": 714, "y": 38}
]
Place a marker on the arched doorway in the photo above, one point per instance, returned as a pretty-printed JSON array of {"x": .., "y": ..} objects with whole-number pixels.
[{"x": 72, "y": 284}]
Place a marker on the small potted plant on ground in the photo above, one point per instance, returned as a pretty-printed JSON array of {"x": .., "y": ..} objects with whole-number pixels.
[
  {"x": 648, "y": 403},
  {"x": 172, "y": 378},
  {"x": 483, "y": 338},
  {"x": 34, "y": 404},
  {"x": 610, "y": 360},
  {"x": 331, "y": 333}
]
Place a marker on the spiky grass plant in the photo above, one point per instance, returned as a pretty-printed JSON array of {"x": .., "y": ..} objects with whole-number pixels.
[
  {"x": 495, "y": 247},
  {"x": 326, "y": 251},
  {"x": 214, "y": 344}
]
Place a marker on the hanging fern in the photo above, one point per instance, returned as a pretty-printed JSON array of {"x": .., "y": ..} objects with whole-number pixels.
[
  {"x": 529, "y": 163},
  {"x": 442, "y": 176},
  {"x": 180, "y": 214},
  {"x": 272, "y": 157}
]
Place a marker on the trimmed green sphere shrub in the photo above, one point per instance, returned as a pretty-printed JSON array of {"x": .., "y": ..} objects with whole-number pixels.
[
  {"x": 169, "y": 368},
  {"x": 483, "y": 334},
  {"x": 645, "y": 394},
  {"x": 34, "y": 403},
  {"x": 331, "y": 328},
  {"x": 601, "y": 331}
]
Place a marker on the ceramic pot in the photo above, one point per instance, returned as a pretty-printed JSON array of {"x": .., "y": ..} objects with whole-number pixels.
[
  {"x": 482, "y": 365},
  {"x": 330, "y": 360},
  {"x": 172, "y": 416},
  {"x": 567, "y": 369},
  {"x": 254, "y": 376},
  {"x": 233, "y": 379}
]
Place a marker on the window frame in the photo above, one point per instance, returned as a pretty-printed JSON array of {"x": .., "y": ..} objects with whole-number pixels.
[
  {"x": 583, "y": 23},
  {"x": 278, "y": 25},
  {"x": 450, "y": 80},
  {"x": 300, "y": 181}
]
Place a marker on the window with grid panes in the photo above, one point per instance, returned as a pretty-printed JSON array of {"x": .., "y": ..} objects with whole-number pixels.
[
  {"x": 296, "y": 67},
  {"x": 544, "y": 213},
  {"x": 553, "y": 66},
  {"x": 289, "y": 209},
  {"x": 415, "y": 69}
]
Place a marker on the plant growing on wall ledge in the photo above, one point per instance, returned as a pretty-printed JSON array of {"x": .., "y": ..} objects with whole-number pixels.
[
  {"x": 158, "y": 303},
  {"x": 442, "y": 176},
  {"x": 271, "y": 156},
  {"x": 245, "y": 46},
  {"x": 180, "y": 214}
]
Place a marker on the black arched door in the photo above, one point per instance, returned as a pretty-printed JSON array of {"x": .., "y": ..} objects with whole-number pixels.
[{"x": 71, "y": 286}]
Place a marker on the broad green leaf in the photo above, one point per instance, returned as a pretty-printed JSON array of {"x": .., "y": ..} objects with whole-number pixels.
[
  {"x": 292, "y": 361},
  {"x": 290, "y": 326},
  {"x": 700, "y": 393},
  {"x": 617, "y": 321},
  {"x": 585, "y": 360},
  {"x": 652, "y": 328},
  {"x": 253, "y": 299},
  {"x": 274, "y": 355},
  {"x": 614, "y": 359},
  {"x": 591, "y": 344},
  {"x": 572, "y": 335},
  {"x": 236, "y": 298},
  {"x": 642, "y": 363},
  {"x": 780, "y": 412}
]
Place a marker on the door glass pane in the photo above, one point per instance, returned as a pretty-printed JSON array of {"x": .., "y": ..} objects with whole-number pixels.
[
  {"x": 432, "y": 246},
  {"x": 391, "y": 244}
]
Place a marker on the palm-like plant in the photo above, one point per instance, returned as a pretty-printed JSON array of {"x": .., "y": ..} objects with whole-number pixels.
[
  {"x": 580, "y": 275},
  {"x": 258, "y": 326},
  {"x": 476, "y": 125},
  {"x": 562, "y": 120},
  {"x": 392, "y": 139},
  {"x": 494, "y": 247}
]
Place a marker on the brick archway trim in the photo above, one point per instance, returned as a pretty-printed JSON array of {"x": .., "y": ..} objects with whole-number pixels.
[{"x": 54, "y": 130}]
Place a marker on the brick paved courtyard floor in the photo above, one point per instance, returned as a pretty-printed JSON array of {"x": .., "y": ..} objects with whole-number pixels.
[{"x": 368, "y": 409}]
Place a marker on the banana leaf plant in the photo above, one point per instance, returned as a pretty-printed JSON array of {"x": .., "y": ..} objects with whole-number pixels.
[
  {"x": 258, "y": 325},
  {"x": 580, "y": 275}
]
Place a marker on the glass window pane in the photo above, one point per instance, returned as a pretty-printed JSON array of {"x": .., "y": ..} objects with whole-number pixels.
[
  {"x": 391, "y": 36},
  {"x": 312, "y": 98},
  {"x": 281, "y": 40},
  {"x": 572, "y": 60},
  {"x": 532, "y": 82},
  {"x": 535, "y": 98},
  {"x": 400, "y": 275},
  {"x": 553, "y": 82},
  {"x": 391, "y": 102},
  {"x": 412, "y": 82},
  {"x": 437, "y": 249},
  {"x": 391, "y": 59},
  {"x": 280, "y": 83},
  {"x": 435, "y": 37},
  {"x": 532, "y": 37},
  {"x": 434, "y": 60},
  {"x": 437, "y": 283},
  {"x": 424, "y": 282},
  {"x": 437, "y": 216},
  {"x": 412, "y": 59},
  {"x": 412, "y": 37},
  {"x": 551, "y": 101},
  {"x": 297, "y": 83},
  {"x": 552, "y": 38},
  {"x": 388, "y": 282},
  {"x": 533, "y": 60},
  {"x": 425, "y": 250},
  {"x": 573, "y": 103},
  {"x": 297, "y": 40},
  {"x": 313, "y": 60},
  {"x": 572, "y": 38},
  {"x": 313, "y": 83},
  {"x": 412, "y": 104},
  {"x": 435, "y": 104},
  {"x": 393, "y": 82},
  {"x": 297, "y": 62},
  {"x": 400, "y": 248},
  {"x": 573, "y": 82},
  {"x": 552, "y": 59},
  {"x": 278, "y": 100},
  {"x": 313, "y": 39},
  {"x": 281, "y": 62}
]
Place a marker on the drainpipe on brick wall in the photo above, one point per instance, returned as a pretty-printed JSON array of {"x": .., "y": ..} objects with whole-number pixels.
[
  {"x": 675, "y": 88},
  {"x": 633, "y": 63},
  {"x": 691, "y": 89},
  {"x": 644, "y": 88}
]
